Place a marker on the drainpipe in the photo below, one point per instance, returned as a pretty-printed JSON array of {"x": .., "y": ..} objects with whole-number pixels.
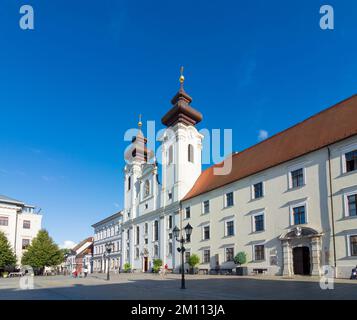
[
  {"x": 15, "y": 241},
  {"x": 332, "y": 209}
]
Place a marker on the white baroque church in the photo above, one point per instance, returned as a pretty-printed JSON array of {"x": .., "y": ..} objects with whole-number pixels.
[{"x": 152, "y": 205}]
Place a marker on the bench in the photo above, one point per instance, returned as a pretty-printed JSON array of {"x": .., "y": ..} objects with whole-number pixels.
[
  {"x": 15, "y": 274},
  {"x": 260, "y": 270}
]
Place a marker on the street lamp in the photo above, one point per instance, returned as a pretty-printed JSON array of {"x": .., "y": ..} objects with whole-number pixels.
[
  {"x": 188, "y": 232},
  {"x": 108, "y": 250}
]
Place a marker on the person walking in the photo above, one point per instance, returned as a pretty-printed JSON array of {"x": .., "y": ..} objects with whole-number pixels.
[
  {"x": 354, "y": 274},
  {"x": 85, "y": 271}
]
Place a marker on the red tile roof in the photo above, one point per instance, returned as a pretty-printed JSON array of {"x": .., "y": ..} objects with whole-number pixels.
[{"x": 329, "y": 126}]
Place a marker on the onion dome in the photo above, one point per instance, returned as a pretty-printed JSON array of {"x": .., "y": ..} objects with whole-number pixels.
[{"x": 181, "y": 112}]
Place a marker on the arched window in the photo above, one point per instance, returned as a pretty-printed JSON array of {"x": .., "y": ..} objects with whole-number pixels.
[
  {"x": 147, "y": 188},
  {"x": 190, "y": 153}
]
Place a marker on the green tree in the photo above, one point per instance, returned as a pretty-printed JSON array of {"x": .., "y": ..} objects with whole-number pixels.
[
  {"x": 240, "y": 258},
  {"x": 127, "y": 267},
  {"x": 7, "y": 256},
  {"x": 42, "y": 252},
  {"x": 194, "y": 260},
  {"x": 157, "y": 263}
]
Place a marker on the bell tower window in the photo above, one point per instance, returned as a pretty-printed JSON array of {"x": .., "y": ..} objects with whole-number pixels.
[{"x": 190, "y": 153}]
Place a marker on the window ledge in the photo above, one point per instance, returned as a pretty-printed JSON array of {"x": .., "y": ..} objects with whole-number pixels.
[
  {"x": 349, "y": 217},
  {"x": 296, "y": 188},
  {"x": 230, "y": 236},
  {"x": 228, "y": 207},
  {"x": 347, "y": 173}
]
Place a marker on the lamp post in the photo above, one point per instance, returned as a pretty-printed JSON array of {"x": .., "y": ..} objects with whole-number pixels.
[
  {"x": 108, "y": 250},
  {"x": 182, "y": 249}
]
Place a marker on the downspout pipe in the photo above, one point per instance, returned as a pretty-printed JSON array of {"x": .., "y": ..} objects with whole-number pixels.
[{"x": 332, "y": 209}]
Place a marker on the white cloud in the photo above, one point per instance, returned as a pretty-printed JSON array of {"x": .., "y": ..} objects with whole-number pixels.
[
  {"x": 67, "y": 244},
  {"x": 116, "y": 205},
  {"x": 262, "y": 135}
]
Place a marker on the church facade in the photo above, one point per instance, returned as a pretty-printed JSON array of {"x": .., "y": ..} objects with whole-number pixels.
[{"x": 289, "y": 202}]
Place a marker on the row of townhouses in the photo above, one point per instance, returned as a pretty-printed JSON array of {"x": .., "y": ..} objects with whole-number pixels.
[
  {"x": 20, "y": 223},
  {"x": 289, "y": 202}
]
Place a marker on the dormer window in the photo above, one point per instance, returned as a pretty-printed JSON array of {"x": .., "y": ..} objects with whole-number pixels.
[{"x": 190, "y": 153}]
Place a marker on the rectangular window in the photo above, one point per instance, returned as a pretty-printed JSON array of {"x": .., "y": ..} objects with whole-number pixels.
[
  {"x": 146, "y": 240},
  {"x": 299, "y": 215},
  {"x": 25, "y": 243},
  {"x": 170, "y": 236},
  {"x": 351, "y": 161},
  {"x": 170, "y": 248},
  {"x": 4, "y": 221},
  {"x": 206, "y": 234},
  {"x": 187, "y": 256},
  {"x": 170, "y": 195},
  {"x": 206, "y": 256},
  {"x": 259, "y": 252},
  {"x": 156, "y": 250},
  {"x": 129, "y": 183},
  {"x": 188, "y": 212},
  {"x": 229, "y": 254},
  {"x": 353, "y": 245},
  {"x": 259, "y": 222},
  {"x": 26, "y": 224},
  {"x": 146, "y": 228},
  {"x": 170, "y": 222},
  {"x": 229, "y": 228},
  {"x": 258, "y": 190},
  {"x": 297, "y": 178},
  {"x": 137, "y": 235},
  {"x": 352, "y": 208},
  {"x": 229, "y": 199},
  {"x": 206, "y": 206},
  {"x": 156, "y": 230}
]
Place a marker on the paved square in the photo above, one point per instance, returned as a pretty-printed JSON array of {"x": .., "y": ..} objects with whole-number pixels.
[{"x": 151, "y": 286}]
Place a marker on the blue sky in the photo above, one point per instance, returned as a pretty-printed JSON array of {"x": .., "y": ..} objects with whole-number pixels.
[{"x": 70, "y": 88}]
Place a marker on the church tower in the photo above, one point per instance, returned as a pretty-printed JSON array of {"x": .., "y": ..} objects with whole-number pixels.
[
  {"x": 136, "y": 156},
  {"x": 181, "y": 147}
]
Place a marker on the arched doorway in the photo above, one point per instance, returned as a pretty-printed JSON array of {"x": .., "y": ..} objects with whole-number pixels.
[
  {"x": 301, "y": 260},
  {"x": 301, "y": 248}
]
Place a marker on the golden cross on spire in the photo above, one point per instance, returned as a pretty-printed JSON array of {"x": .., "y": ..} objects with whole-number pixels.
[
  {"x": 140, "y": 123},
  {"x": 182, "y": 78}
]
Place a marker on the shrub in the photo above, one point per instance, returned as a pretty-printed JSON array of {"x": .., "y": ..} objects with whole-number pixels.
[
  {"x": 127, "y": 267},
  {"x": 157, "y": 263},
  {"x": 194, "y": 260},
  {"x": 240, "y": 258}
]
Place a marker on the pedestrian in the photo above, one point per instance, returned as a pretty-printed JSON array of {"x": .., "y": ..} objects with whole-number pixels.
[
  {"x": 162, "y": 271},
  {"x": 354, "y": 273},
  {"x": 85, "y": 271},
  {"x": 74, "y": 273}
]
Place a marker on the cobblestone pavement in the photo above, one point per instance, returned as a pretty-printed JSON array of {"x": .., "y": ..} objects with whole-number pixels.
[{"x": 151, "y": 286}]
